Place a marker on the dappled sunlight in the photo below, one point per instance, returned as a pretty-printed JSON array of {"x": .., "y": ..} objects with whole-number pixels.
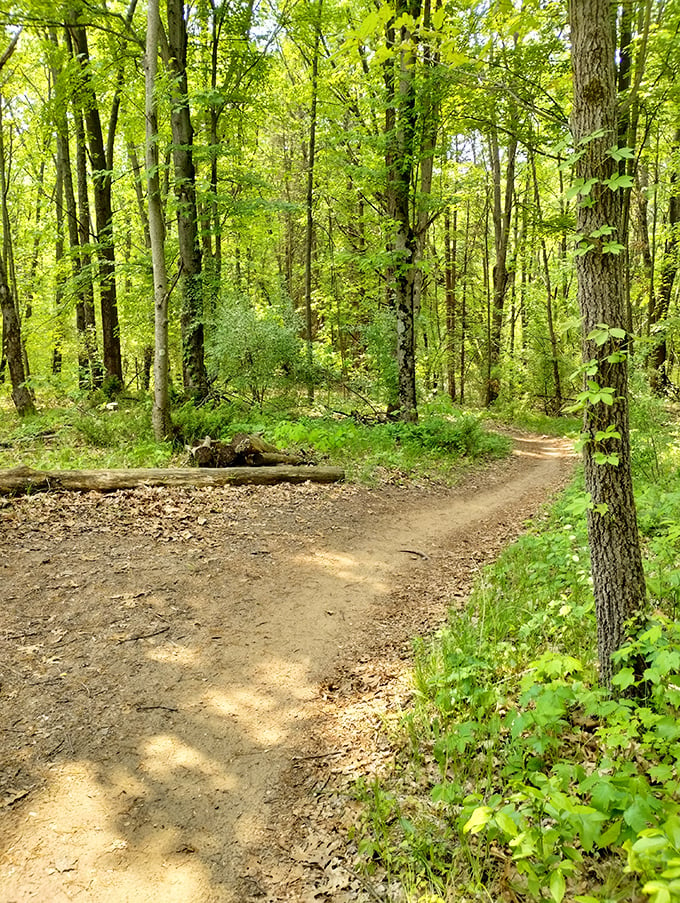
[
  {"x": 164, "y": 754},
  {"x": 543, "y": 447},
  {"x": 71, "y": 828},
  {"x": 174, "y": 654},
  {"x": 343, "y": 567}
]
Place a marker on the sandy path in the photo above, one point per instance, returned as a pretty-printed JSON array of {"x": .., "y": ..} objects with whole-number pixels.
[{"x": 161, "y": 655}]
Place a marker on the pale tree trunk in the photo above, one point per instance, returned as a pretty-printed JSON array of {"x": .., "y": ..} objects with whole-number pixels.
[
  {"x": 162, "y": 424},
  {"x": 191, "y": 279},
  {"x": 616, "y": 562}
]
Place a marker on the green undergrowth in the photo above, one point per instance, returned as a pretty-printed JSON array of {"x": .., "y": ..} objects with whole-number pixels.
[
  {"x": 93, "y": 435},
  {"x": 516, "y": 777}
]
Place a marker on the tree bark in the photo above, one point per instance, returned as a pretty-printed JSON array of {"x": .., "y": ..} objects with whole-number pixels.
[
  {"x": 24, "y": 479},
  {"x": 658, "y": 314},
  {"x": 616, "y": 562},
  {"x": 162, "y": 424},
  {"x": 12, "y": 348},
  {"x": 502, "y": 214},
  {"x": 101, "y": 181},
  {"x": 191, "y": 279},
  {"x": 309, "y": 203}
]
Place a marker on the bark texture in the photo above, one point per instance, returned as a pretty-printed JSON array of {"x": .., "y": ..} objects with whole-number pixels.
[
  {"x": 24, "y": 479},
  {"x": 191, "y": 280},
  {"x": 618, "y": 580}
]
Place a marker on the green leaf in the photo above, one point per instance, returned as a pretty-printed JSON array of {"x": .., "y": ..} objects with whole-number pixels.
[
  {"x": 658, "y": 892},
  {"x": 621, "y": 153},
  {"x": 558, "y": 886},
  {"x": 624, "y": 678},
  {"x": 613, "y": 247},
  {"x": 622, "y": 180},
  {"x": 479, "y": 819},
  {"x": 506, "y": 824}
]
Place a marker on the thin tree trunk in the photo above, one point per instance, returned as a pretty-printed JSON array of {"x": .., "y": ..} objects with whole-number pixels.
[
  {"x": 450, "y": 247},
  {"x": 502, "y": 214},
  {"x": 309, "y": 204},
  {"x": 658, "y": 357},
  {"x": 554, "y": 356},
  {"x": 101, "y": 181},
  {"x": 191, "y": 278},
  {"x": 162, "y": 424}
]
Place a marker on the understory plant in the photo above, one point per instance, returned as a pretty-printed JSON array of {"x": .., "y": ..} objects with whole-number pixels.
[{"x": 519, "y": 777}]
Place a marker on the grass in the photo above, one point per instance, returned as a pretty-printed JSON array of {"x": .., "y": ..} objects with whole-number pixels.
[
  {"x": 89, "y": 435},
  {"x": 516, "y": 776}
]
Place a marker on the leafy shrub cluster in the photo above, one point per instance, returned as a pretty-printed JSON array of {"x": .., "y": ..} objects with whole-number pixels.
[{"x": 520, "y": 778}]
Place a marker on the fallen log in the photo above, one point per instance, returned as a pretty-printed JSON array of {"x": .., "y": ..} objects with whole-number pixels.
[
  {"x": 248, "y": 450},
  {"x": 25, "y": 479}
]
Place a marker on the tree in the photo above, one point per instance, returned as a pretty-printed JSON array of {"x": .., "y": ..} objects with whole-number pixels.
[
  {"x": 616, "y": 561},
  {"x": 191, "y": 279},
  {"x": 156, "y": 230},
  {"x": 11, "y": 324}
]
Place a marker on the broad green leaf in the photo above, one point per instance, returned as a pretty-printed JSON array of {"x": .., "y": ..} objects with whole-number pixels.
[
  {"x": 479, "y": 819},
  {"x": 558, "y": 886}
]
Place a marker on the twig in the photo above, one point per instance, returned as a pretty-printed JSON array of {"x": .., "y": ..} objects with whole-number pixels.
[
  {"x": 152, "y": 708},
  {"x": 144, "y": 636},
  {"x": 416, "y": 552}
]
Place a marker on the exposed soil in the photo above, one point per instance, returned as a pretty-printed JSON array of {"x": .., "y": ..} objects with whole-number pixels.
[{"x": 191, "y": 679}]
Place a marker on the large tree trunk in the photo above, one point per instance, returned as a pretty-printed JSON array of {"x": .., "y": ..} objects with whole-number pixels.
[
  {"x": 101, "y": 181},
  {"x": 191, "y": 279},
  {"x": 400, "y": 149},
  {"x": 618, "y": 580}
]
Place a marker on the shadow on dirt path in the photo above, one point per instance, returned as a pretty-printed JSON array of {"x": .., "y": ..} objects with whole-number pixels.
[{"x": 174, "y": 666}]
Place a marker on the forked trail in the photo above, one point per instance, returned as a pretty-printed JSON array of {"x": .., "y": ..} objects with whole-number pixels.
[{"x": 172, "y": 667}]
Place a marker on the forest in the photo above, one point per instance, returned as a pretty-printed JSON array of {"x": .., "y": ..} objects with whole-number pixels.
[
  {"x": 280, "y": 163},
  {"x": 363, "y": 228}
]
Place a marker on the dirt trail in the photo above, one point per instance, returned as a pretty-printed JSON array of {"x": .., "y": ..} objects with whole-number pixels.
[{"x": 177, "y": 669}]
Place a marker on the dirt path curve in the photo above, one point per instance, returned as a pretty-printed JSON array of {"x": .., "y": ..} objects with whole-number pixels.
[{"x": 178, "y": 669}]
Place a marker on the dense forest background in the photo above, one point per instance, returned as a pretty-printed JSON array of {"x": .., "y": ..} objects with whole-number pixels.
[{"x": 366, "y": 196}]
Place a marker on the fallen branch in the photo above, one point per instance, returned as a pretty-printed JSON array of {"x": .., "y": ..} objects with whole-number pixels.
[{"x": 25, "y": 479}]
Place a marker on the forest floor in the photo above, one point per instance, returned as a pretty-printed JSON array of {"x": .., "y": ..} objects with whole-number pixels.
[{"x": 192, "y": 681}]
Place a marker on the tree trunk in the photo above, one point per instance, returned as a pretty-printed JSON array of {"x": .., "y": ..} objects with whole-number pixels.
[
  {"x": 93, "y": 377},
  {"x": 502, "y": 214},
  {"x": 162, "y": 424},
  {"x": 309, "y": 203},
  {"x": 101, "y": 181},
  {"x": 191, "y": 278},
  {"x": 618, "y": 580},
  {"x": 658, "y": 356},
  {"x": 401, "y": 118},
  {"x": 450, "y": 246}
]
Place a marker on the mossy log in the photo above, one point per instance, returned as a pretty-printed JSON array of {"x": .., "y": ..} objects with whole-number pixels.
[{"x": 25, "y": 479}]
